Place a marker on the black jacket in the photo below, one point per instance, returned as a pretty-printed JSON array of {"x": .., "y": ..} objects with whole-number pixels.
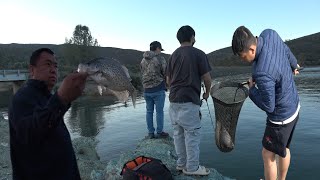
[{"x": 40, "y": 144}]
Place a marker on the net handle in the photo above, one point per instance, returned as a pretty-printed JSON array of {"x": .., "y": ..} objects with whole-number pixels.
[{"x": 243, "y": 83}]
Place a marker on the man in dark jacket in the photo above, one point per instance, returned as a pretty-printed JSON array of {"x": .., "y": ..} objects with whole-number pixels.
[
  {"x": 272, "y": 89},
  {"x": 40, "y": 144}
]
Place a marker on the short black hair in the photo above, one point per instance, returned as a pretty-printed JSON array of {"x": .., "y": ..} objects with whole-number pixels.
[
  {"x": 242, "y": 40},
  {"x": 36, "y": 54},
  {"x": 185, "y": 33}
]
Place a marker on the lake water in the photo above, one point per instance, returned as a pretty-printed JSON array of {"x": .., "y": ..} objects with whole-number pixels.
[{"x": 118, "y": 128}]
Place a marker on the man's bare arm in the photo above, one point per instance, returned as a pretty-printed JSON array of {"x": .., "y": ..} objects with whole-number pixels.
[{"x": 207, "y": 83}]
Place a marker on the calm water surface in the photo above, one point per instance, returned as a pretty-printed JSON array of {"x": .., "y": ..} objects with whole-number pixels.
[{"x": 118, "y": 128}]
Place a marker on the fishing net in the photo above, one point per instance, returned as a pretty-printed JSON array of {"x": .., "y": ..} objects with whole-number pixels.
[{"x": 228, "y": 98}]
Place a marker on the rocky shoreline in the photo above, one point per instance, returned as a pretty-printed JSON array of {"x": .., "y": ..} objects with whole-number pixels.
[
  {"x": 90, "y": 166},
  {"x": 5, "y": 163},
  {"x": 162, "y": 149},
  {"x": 87, "y": 157}
]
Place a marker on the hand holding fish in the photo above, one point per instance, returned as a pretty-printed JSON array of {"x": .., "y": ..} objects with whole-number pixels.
[
  {"x": 71, "y": 87},
  {"x": 110, "y": 75}
]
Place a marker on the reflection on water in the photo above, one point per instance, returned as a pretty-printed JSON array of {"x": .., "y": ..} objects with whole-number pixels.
[
  {"x": 119, "y": 128},
  {"x": 89, "y": 114},
  {"x": 86, "y": 115}
]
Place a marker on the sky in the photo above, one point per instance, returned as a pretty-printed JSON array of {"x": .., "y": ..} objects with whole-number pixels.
[{"x": 134, "y": 24}]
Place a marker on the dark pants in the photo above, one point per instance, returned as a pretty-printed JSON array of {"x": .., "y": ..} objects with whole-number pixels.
[{"x": 278, "y": 137}]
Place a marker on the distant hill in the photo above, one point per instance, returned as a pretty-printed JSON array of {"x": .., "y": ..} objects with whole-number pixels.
[
  {"x": 17, "y": 55},
  {"x": 306, "y": 49}
]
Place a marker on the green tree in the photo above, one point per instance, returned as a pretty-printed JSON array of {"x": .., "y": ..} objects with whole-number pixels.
[
  {"x": 82, "y": 36},
  {"x": 80, "y": 47}
]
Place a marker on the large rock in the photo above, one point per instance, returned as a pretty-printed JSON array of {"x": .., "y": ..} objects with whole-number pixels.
[
  {"x": 89, "y": 164},
  {"x": 5, "y": 162},
  {"x": 162, "y": 149}
]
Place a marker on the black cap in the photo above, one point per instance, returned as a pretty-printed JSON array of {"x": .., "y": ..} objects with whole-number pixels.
[{"x": 154, "y": 45}]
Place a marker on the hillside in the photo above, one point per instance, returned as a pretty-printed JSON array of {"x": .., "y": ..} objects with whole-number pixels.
[
  {"x": 17, "y": 55},
  {"x": 306, "y": 49}
]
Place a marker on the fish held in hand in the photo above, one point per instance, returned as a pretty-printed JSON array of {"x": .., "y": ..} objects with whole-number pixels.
[{"x": 110, "y": 75}]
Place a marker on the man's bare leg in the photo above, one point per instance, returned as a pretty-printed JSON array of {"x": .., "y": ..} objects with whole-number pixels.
[
  {"x": 270, "y": 165},
  {"x": 284, "y": 164}
]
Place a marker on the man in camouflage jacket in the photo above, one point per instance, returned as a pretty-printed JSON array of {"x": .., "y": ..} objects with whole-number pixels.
[{"x": 153, "y": 67}]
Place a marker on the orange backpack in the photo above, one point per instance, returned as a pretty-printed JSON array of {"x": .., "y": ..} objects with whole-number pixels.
[{"x": 145, "y": 168}]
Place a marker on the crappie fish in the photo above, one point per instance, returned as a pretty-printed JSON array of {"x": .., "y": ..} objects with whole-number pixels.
[{"x": 109, "y": 74}]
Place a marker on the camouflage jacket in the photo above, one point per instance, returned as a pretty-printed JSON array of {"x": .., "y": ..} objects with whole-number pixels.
[{"x": 153, "y": 68}]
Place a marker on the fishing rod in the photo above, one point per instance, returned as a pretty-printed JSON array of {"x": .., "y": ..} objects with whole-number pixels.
[{"x": 207, "y": 105}]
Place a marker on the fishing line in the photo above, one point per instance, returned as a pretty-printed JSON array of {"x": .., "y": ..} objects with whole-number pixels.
[{"x": 207, "y": 105}]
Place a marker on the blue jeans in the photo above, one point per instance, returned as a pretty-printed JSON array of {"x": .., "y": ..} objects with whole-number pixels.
[{"x": 155, "y": 98}]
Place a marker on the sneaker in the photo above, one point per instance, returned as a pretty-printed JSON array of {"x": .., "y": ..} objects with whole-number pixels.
[
  {"x": 150, "y": 136},
  {"x": 202, "y": 171},
  {"x": 162, "y": 135},
  {"x": 180, "y": 168}
]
